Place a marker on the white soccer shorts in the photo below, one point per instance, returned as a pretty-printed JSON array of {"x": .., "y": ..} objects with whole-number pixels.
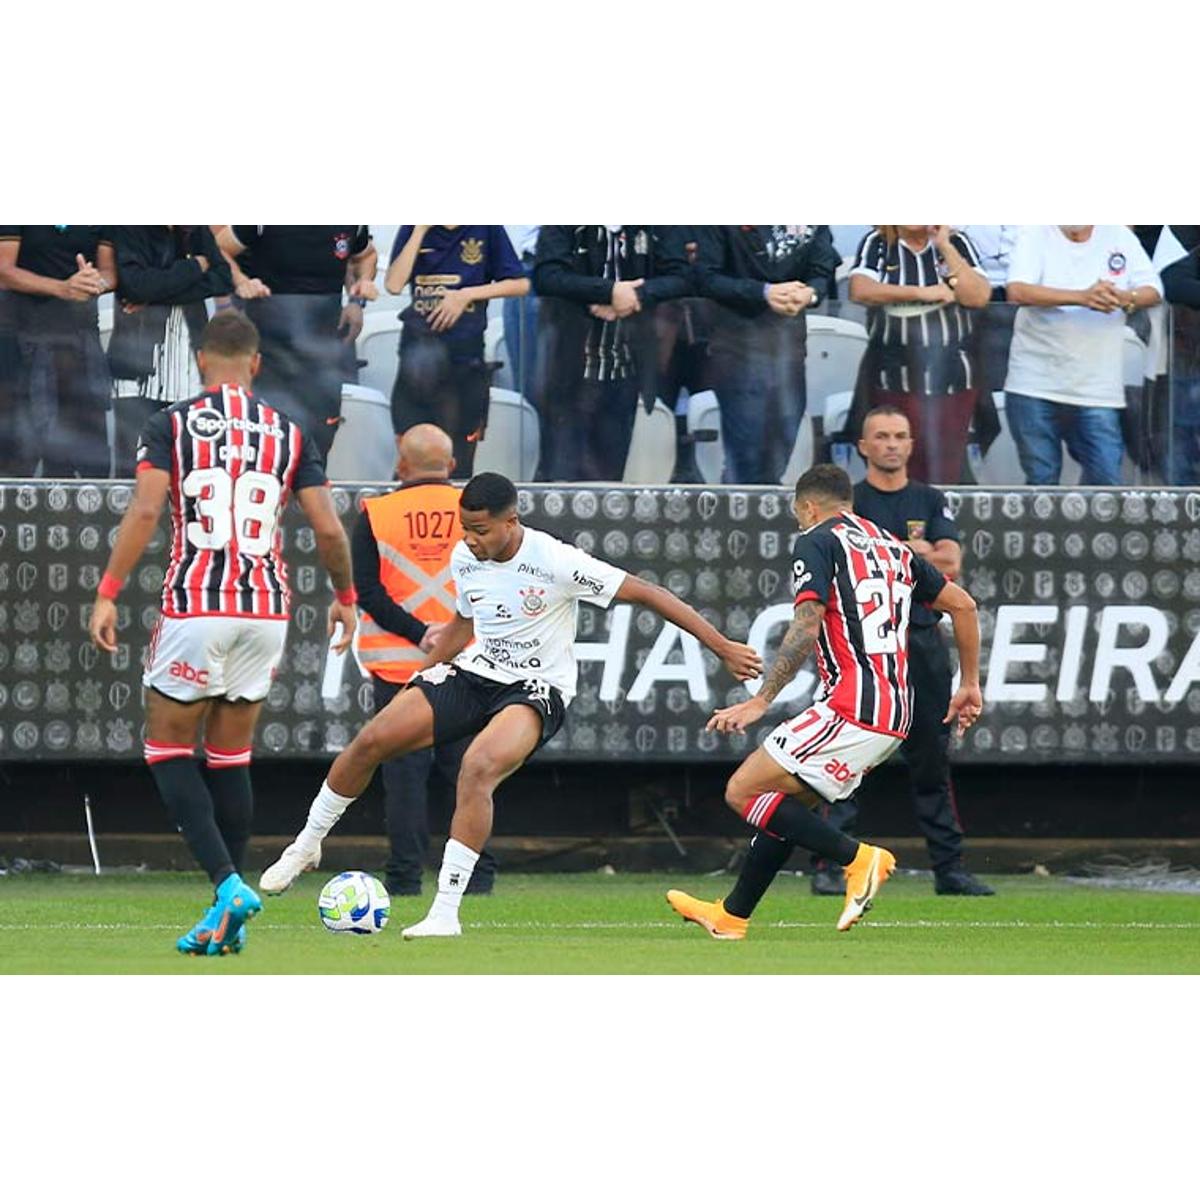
[
  {"x": 201, "y": 658},
  {"x": 830, "y": 753}
]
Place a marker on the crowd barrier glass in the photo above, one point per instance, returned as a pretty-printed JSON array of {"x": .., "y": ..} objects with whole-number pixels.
[{"x": 701, "y": 395}]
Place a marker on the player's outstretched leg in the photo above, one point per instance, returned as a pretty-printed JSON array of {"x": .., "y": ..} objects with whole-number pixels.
[
  {"x": 405, "y": 724},
  {"x": 509, "y": 738}
]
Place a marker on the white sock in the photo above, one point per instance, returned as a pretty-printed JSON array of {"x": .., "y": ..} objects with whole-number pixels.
[
  {"x": 458, "y": 862},
  {"x": 322, "y": 816}
]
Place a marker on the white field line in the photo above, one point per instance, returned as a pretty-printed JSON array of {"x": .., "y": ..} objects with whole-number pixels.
[{"x": 571, "y": 926}]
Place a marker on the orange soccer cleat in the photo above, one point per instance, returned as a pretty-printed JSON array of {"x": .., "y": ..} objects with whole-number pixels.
[
  {"x": 722, "y": 925},
  {"x": 864, "y": 877}
]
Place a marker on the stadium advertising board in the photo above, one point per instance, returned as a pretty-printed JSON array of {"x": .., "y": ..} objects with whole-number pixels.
[{"x": 1089, "y": 606}]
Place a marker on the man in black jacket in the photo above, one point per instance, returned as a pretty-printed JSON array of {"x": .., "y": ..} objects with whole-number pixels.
[
  {"x": 291, "y": 278},
  {"x": 764, "y": 279},
  {"x": 1177, "y": 256},
  {"x": 596, "y": 338},
  {"x": 164, "y": 275}
]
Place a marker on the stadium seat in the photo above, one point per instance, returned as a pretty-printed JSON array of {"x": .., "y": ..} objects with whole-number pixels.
[
  {"x": 835, "y": 348},
  {"x": 364, "y": 446},
  {"x": 704, "y": 415},
  {"x": 513, "y": 442},
  {"x": 379, "y": 346},
  {"x": 495, "y": 349},
  {"x": 651, "y": 457},
  {"x": 837, "y": 413}
]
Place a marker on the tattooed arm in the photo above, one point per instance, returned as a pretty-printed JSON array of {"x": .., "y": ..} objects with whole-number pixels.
[{"x": 796, "y": 647}]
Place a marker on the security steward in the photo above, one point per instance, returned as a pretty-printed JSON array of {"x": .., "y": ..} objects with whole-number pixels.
[
  {"x": 401, "y": 546},
  {"x": 918, "y": 515}
]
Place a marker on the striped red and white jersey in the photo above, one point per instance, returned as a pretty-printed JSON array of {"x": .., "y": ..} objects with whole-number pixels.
[
  {"x": 234, "y": 463},
  {"x": 868, "y": 582}
]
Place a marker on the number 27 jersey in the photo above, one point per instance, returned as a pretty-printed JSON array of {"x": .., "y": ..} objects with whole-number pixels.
[
  {"x": 234, "y": 462},
  {"x": 868, "y": 582}
]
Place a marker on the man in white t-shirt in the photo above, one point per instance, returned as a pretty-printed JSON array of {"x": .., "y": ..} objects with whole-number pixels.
[
  {"x": 518, "y": 592},
  {"x": 1077, "y": 284}
]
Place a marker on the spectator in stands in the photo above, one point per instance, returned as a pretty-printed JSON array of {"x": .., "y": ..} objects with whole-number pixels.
[
  {"x": 452, "y": 272},
  {"x": 1076, "y": 285},
  {"x": 920, "y": 283},
  {"x": 764, "y": 278},
  {"x": 994, "y": 245},
  {"x": 682, "y": 330},
  {"x": 1178, "y": 257},
  {"x": 55, "y": 274},
  {"x": 165, "y": 273},
  {"x": 291, "y": 279},
  {"x": 597, "y": 353},
  {"x": 520, "y": 316}
]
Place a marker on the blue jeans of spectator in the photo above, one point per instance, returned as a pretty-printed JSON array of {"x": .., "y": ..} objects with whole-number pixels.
[
  {"x": 762, "y": 399},
  {"x": 1183, "y": 460},
  {"x": 1093, "y": 437},
  {"x": 520, "y": 342}
]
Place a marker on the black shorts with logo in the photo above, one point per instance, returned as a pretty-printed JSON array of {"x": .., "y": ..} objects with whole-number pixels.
[{"x": 463, "y": 702}]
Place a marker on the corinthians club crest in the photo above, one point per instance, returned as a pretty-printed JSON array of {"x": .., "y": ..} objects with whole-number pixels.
[
  {"x": 533, "y": 601},
  {"x": 472, "y": 251}
]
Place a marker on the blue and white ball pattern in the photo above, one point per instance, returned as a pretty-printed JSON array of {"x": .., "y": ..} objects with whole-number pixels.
[{"x": 354, "y": 902}]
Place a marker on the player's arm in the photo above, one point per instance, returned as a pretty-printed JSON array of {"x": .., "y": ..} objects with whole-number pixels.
[
  {"x": 796, "y": 646},
  {"x": 137, "y": 528},
  {"x": 742, "y": 662},
  {"x": 967, "y": 703},
  {"x": 455, "y": 636},
  {"x": 333, "y": 549}
]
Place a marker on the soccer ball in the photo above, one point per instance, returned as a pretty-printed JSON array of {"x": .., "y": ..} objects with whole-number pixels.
[{"x": 354, "y": 902}]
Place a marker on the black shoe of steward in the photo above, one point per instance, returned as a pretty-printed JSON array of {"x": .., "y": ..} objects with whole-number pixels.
[{"x": 960, "y": 883}]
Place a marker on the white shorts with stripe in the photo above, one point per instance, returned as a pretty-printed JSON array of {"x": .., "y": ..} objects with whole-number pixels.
[
  {"x": 202, "y": 658},
  {"x": 830, "y": 753}
]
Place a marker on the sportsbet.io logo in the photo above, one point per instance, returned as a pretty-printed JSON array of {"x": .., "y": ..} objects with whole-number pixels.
[{"x": 205, "y": 425}]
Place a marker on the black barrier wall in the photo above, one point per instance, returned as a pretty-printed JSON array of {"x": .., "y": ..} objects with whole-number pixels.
[{"x": 1089, "y": 605}]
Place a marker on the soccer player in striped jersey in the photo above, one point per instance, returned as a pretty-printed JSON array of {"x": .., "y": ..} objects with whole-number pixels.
[
  {"x": 228, "y": 462},
  {"x": 854, "y": 585}
]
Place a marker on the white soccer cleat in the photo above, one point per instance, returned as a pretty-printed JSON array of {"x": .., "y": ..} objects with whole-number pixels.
[
  {"x": 291, "y": 864},
  {"x": 433, "y": 927}
]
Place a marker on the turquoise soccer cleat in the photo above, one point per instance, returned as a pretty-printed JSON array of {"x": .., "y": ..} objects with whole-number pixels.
[
  {"x": 197, "y": 939},
  {"x": 236, "y": 903}
]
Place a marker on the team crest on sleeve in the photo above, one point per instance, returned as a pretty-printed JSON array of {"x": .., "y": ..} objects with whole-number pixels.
[
  {"x": 472, "y": 251},
  {"x": 533, "y": 601},
  {"x": 341, "y": 245}
]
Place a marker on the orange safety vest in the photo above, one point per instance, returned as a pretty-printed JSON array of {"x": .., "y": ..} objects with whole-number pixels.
[{"x": 416, "y": 528}]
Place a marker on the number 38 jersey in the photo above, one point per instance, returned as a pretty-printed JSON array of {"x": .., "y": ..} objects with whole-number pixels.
[
  {"x": 868, "y": 582},
  {"x": 234, "y": 463}
]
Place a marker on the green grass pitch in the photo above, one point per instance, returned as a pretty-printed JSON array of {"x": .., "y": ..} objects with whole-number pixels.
[{"x": 607, "y": 924}]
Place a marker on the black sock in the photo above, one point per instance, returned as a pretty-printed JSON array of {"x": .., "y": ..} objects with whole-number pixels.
[
  {"x": 791, "y": 819},
  {"x": 190, "y": 806},
  {"x": 233, "y": 807},
  {"x": 764, "y": 860}
]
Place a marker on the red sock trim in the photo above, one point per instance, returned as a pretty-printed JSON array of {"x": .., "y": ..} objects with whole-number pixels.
[
  {"x": 761, "y": 808},
  {"x": 154, "y": 752},
  {"x": 217, "y": 759}
]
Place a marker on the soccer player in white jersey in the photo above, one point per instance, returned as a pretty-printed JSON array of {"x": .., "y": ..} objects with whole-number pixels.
[
  {"x": 854, "y": 587},
  {"x": 518, "y": 594},
  {"x": 228, "y": 461}
]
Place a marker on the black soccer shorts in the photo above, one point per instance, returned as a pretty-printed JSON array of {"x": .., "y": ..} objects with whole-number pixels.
[{"x": 463, "y": 702}]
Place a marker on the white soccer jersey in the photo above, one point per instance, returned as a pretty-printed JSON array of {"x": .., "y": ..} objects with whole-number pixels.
[{"x": 524, "y": 609}]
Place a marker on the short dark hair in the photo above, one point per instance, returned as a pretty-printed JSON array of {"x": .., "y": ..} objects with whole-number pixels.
[
  {"x": 489, "y": 492},
  {"x": 230, "y": 335},
  {"x": 825, "y": 482},
  {"x": 886, "y": 410}
]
